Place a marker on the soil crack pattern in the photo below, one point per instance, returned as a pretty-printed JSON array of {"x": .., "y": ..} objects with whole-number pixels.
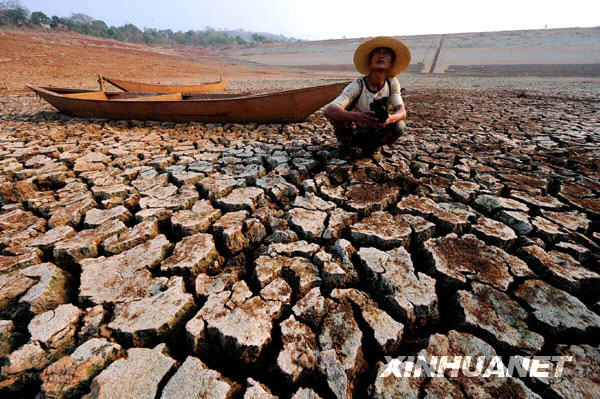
[{"x": 162, "y": 260}]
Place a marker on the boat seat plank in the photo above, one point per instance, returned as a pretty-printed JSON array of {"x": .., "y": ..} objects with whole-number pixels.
[
  {"x": 92, "y": 95},
  {"x": 161, "y": 97}
]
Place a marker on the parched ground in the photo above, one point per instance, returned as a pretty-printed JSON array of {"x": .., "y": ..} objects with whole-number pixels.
[{"x": 160, "y": 260}]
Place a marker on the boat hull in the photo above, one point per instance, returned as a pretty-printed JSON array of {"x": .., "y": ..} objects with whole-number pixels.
[
  {"x": 281, "y": 107},
  {"x": 139, "y": 87}
]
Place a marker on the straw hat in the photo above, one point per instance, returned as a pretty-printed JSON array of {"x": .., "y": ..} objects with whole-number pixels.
[{"x": 361, "y": 55}]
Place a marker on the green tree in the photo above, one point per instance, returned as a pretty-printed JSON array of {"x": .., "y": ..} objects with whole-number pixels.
[
  {"x": 14, "y": 12},
  {"x": 81, "y": 19},
  {"x": 39, "y": 18},
  {"x": 98, "y": 28}
]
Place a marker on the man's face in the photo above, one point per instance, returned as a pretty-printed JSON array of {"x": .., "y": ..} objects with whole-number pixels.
[{"x": 381, "y": 59}]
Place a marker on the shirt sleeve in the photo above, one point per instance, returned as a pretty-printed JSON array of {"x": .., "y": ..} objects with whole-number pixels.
[
  {"x": 395, "y": 97},
  {"x": 349, "y": 93}
]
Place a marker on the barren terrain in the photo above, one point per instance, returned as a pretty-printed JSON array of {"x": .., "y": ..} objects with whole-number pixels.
[{"x": 162, "y": 260}]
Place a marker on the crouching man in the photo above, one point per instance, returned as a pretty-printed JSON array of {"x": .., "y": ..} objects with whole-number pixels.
[{"x": 370, "y": 113}]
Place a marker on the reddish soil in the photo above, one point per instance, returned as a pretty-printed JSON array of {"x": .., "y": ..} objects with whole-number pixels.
[{"x": 74, "y": 60}]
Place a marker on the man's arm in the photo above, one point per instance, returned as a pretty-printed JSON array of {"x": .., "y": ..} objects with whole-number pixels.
[
  {"x": 398, "y": 114},
  {"x": 337, "y": 113}
]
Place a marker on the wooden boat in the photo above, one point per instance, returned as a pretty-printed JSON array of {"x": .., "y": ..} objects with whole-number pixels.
[
  {"x": 139, "y": 87},
  {"x": 280, "y": 107}
]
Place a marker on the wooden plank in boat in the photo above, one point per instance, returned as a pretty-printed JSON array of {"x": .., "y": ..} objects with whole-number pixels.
[
  {"x": 161, "y": 97},
  {"x": 92, "y": 95}
]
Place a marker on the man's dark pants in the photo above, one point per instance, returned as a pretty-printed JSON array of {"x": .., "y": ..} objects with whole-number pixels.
[{"x": 350, "y": 134}]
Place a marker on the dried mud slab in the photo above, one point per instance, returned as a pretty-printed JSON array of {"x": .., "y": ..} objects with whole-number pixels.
[
  {"x": 499, "y": 318},
  {"x": 266, "y": 263},
  {"x": 556, "y": 311},
  {"x": 458, "y": 260},
  {"x": 391, "y": 275}
]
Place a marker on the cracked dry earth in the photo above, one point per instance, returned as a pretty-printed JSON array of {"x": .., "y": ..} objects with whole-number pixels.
[{"x": 148, "y": 260}]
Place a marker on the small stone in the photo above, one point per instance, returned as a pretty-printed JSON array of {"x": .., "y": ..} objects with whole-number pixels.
[
  {"x": 381, "y": 230},
  {"x": 70, "y": 375},
  {"x": 557, "y": 312},
  {"x": 193, "y": 255},
  {"x": 136, "y": 376}
]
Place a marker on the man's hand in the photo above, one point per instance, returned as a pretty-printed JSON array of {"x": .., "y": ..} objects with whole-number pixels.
[
  {"x": 366, "y": 118},
  {"x": 397, "y": 115}
]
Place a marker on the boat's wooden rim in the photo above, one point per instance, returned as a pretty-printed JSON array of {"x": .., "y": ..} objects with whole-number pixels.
[
  {"x": 113, "y": 81},
  {"x": 52, "y": 91}
]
